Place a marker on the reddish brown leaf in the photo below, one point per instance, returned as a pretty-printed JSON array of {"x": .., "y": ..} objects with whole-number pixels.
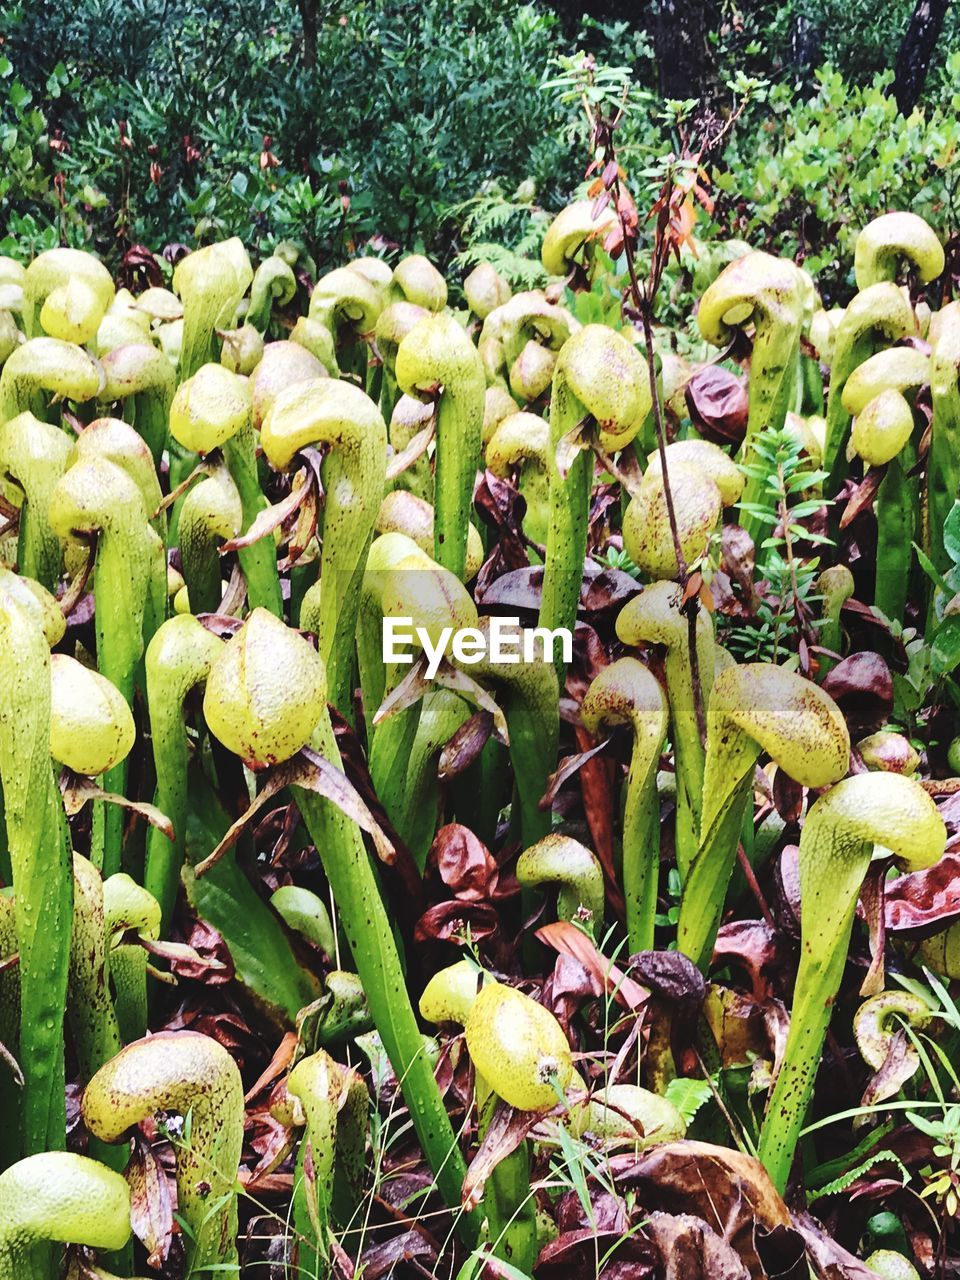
[
  {"x": 459, "y": 752},
  {"x": 453, "y": 921},
  {"x": 717, "y": 401},
  {"x": 466, "y": 865},
  {"x": 151, "y": 1203},
  {"x": 568, "y": 940},
  {"x": 925, "y": 901},
  {"x": 830, "y": 1261},
  {"x": 597, "y": 775},
  {"x": 271, "y": 518},
  {"x": 730, "y": 1191},
  {"x": 862, "y": 687},
  {"x": 279, "y": 1063},
  {"x": 691, "y": 1250},
  {"x": 208, "y": 960},
  {"x": 417, "y": 447},
  {"x": 384, "y": 1258},
  {"x": 313, "y": 772},
  {"x": 567, "y": 767},
  {"x": 77, "y": 790},
  {"x": 861, "y": 499}
]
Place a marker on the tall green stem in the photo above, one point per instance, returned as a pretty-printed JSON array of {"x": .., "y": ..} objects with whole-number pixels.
[
  {"x": 755, "y": 707},
  {"x": 178, "y": 658},
  {"x": 324, "y": 412},
  {"x": 836, "y": 848},
  {"x": 627, "y": 693},
  {"x": 39, "y": 851},
  {"x": 601, "y": 378},
  {"x": 437, "y": 355}
]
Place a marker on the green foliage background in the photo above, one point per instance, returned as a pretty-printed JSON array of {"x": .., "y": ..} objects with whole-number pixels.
[{"x": 185, "y": 120}]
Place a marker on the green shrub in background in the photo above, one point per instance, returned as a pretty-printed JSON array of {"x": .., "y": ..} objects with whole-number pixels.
[
  {"x": 802, "y": 177},
  {"x": 408, "y": 108},
  {"x": 433, "y": 124}
]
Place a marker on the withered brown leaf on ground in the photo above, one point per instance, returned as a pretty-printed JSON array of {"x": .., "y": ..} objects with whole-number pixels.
[
  {"x": 830, "y": 1261},
  {"x": 757, "y": 949},
  {"x": 691, "y": 1250},
  {"x": 505, "y": 1132},
  {"x": 731, "y": 1191},
  {"x": 383, "y": 1258}
]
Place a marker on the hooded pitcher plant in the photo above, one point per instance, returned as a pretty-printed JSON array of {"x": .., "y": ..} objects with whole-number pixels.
[
  {"x": 560, "y": 861},
  {"x": 655, "y": 618},
  {"x": 44, "y": 369},
  {"x": 903, "y": 369},
  {"x": 401, "y": 581},
  {"x": 139, "y": 377},
  {"x": 510, "y": 330},
  {"x": 520, "y": 1055},
  {"x": 484, "y": 289},
  {"x": 627, "y": 693},
  {"x": 129, "y": 908},
  {"x": 393, "y": 324},
  {"x": 242, "y": 349},
  {"x": 343, "y": 420},
  {"x": 96, "y": 497},
  {"x": 892, "y": 239},
  {"x": 878, "y": 313},
  {"x": 282, "y": 364},
  {"x": 411, "y": 422},
  {"x": 56, "y": 1197},
  {"x": 93, "y": 1020},
  {"x": 123, "y": 323},
  {"x": 572, "y": 234},
  {"x": 273, "y": 284},
  {"x": 600, "y": 379},
  {"x": 265, "y": 699},
  {"x": 403, "y": 512},
  {"x": 835, "y": 586},
  {"x": 528, "y": 694},
  {"x": 210, "y": 283},
  {"x": 335, "y": 1105},
  {"x": 188, "y": 1074},
  {"x": 647, "y": 530},
  {"x": 179, "y": 658},
  {"x": 436, "y": 356},
  {"x": 39, "y": 851},
  {"x": 212, "y": 513},
  {"x": 117, "y": 442},
  {"x": 754, "y": 708},
  {"x": 347, "y": 304},
  {"x": 767, "y": 293},
  {"x": 33, "y": 457},
  {"x": 521, "y": 442},
  {"x": 66, "y": 293},
  {"x": 870, "y": 812},
  {"x": 212, "y": 410},
  {"x": 417, "y": 280},
  {"x": 881, "y": 436}
]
